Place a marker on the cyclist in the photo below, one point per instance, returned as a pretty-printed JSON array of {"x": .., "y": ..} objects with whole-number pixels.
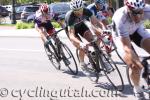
[
  {"x": 97, "y": 7},
  {"x": 43, "y": 23},
  {"x": 76, "y": 28},
  {"x": 128, "y": 26}
]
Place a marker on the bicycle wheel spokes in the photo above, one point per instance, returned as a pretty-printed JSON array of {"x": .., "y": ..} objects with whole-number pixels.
[
  {"x": 113, "y": 75},
  {"x": 69, "y": 59},
  {"x": 52, "y": 57}
]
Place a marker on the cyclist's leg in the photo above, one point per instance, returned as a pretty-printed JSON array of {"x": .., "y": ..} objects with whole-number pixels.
[
  {"x": 81, "y": 29},
  {"x": 135, "y": 72},
  {"x": 49, "y": 30},
  {"x": 138, "y": 39}
]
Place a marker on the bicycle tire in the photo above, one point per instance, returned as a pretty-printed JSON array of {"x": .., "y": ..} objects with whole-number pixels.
[
  {"x": 128, "y": 76},
  {"x": 66, "y": 51},
  {"x": 114, "y": 82},
  {"x": 90, "y": 67},
  {"x": 52, "y": 57},
  {"x": 77, "y": 54},
  {"x": 116, "y": 51}
]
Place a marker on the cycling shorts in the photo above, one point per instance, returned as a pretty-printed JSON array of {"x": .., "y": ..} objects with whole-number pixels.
[{"x": 81, "y": 28}]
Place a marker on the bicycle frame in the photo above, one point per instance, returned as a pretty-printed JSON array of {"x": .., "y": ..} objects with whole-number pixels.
[{"x": 107, "y": 46}]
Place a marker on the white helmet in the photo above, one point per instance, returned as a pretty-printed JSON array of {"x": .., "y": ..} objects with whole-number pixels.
[
  {"x": 76, "y": 4},
  {"x": 135, "y": 4}
]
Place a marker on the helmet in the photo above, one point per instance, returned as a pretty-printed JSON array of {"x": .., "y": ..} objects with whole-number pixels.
[
  {"x": 76, "y": 4},
  {"x": 44, "y": 8},
  {"x": 101, "y": 2},
  {"x": 135, "y": 4}
]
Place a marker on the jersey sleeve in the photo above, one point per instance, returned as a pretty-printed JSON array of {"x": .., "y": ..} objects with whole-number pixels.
[
  {"x": 69, "y": 19},
  {"x": 119, "y": 25}
]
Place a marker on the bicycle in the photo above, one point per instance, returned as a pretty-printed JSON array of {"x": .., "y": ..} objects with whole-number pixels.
[
  {"x": 57, "y": 51},
  {"x": 97, "y": 65},
  {"x": 145, "y": 75}
]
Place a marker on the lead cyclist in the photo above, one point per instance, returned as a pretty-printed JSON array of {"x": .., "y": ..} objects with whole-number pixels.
[{"x": 128, "y": 26}]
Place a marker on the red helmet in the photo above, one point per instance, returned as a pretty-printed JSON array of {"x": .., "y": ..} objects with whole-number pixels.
[{"x": 44, "y": 8}]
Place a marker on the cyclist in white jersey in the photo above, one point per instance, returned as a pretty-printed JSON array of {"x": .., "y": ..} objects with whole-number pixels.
[
  {"x": 128, "y": 26},
  {"x": 43, "y": 22}
]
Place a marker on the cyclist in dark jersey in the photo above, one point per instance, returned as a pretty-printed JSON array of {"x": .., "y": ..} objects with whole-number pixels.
[{"x": 76, "y": 27}]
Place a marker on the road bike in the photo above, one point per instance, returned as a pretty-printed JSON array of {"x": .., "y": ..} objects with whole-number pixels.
[
  {"x": 57, "y": 51},
  {"x": 96, "y": 61}
]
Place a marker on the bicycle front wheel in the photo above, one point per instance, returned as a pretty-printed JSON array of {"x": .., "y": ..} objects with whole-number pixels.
[
  {"x": 69, "y": 59},
  {"x": 113, "y": 75},
  {"x": 52, "y": 57}
]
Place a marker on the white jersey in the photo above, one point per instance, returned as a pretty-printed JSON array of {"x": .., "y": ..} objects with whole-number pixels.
[
  {"x": 124, "y": 26},
  {"x": 43, "y": 18}
]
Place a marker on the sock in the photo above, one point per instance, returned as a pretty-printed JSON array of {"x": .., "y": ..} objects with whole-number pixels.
[
  {"x": 82, "y": 63},
  {"x": 137, "y": 89}
]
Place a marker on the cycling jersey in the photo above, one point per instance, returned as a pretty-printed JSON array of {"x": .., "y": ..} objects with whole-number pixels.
[
  {"x": 75, "y": 22},
  {"x": 123, "y": 26},
  {"x": 98, "y": 14},
  {"x": 44, "y": 21}
]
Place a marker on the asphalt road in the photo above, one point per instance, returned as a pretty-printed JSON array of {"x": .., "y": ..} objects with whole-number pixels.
[{"x": 27, "y": 74}]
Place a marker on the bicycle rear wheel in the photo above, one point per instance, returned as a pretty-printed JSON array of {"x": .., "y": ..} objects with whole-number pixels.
[
  {"x": 69, "y": 59},
  {"x": 114, "y": 76},
  {"x": 52, "y": 57}
]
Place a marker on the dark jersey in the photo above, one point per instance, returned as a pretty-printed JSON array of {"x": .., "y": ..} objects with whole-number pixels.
[
  {"x": 74, "y": 21},
  {"x": 71, "y": 19}
]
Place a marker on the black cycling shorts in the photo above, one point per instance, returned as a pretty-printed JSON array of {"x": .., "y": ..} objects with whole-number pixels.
[{"x": 80, "y": 28}]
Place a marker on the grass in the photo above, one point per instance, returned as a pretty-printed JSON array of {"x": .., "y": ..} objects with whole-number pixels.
[
  {"x": 147, "y": 24},
  {"x": 7, "y": 25}
]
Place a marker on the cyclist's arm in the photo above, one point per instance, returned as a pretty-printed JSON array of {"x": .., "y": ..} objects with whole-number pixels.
[
  {"x": 96, "y": 22},
  {"x": 103, "y": 19},
  {"x": 72, "y": 37}
]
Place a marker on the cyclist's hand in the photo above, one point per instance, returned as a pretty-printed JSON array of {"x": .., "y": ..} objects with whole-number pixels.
[{"x": 83, "y": 45}]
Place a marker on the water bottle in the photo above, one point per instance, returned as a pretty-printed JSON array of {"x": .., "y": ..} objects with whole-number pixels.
[{"x": 106, "y": 40}]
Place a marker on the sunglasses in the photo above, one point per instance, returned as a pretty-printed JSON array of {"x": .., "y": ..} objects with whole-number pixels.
[
  {"x": 78, "y": 10},
  {"x": 135, "y": 13}
]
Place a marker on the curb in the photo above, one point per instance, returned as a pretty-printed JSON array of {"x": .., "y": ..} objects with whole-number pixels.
[{"x": 25, "y": 33}]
